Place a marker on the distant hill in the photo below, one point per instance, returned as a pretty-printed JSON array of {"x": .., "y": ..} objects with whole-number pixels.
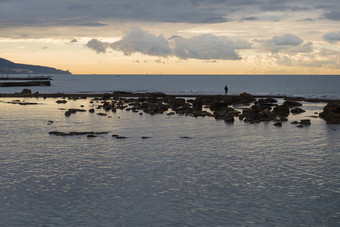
[{"x": 8, "y": 67}]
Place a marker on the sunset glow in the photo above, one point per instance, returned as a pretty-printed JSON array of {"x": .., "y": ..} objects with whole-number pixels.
[{"x": 170, "y": 37}]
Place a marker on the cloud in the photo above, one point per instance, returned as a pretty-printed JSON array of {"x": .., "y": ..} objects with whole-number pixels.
[
  {"x": 206, "y": 46},
  {"x": 322, "y": 58},
  {"x": 332, "y": 37},
  {"x": 101, "y": 12},
  {"x": 98, "y": 46},
  {"x": 287, "y": 43},
  {"x": 334, "y": 14},
  {"x": 143, "y": 42}
]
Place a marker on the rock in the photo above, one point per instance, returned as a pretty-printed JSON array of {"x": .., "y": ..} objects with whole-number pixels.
[
  {"x": 91, "y": 110},
  {"x": 185, "y": 137},
  {"x": 299, "y": 126},
  {"x": 106, "y": 96},
  {"x": 305, "y": 122},
  {"x": 267, "y": 101},
  {"x": 281, "y": 110},
  {"x": 74, "y": 133},
  {"x": 278, "y": 124},
  {"x": 91, "y": 135},
  {"x": 26, "y": 91},
  {"x": 146, "y": 137},
  {"x": 121, "y": 137},
  {"x": 247, "y": 98},
  {"x": 68, "y": 113},
  {"x": 295, "y": 123},
  {"x": 297, "y": 110},
  {"x": 61, "y": 101},
  {"x": 331, "y": 113},
  {"x": 291, "y": 103},
  {"x": 228, "y": 118}
]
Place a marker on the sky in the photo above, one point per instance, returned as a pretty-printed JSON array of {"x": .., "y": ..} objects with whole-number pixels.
[{"x": 173, "y": 36}]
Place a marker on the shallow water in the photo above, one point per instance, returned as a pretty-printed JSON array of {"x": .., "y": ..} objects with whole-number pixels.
[{"x": 236, "y": 174}]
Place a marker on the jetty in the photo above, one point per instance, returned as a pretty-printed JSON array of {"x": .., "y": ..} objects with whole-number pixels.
[
  {"x": 25, "y": 81},
  {"x": 27, "y": 78}
]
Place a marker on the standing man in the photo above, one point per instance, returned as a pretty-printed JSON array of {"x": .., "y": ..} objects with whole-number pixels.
[{"x": 226, "y": 89}]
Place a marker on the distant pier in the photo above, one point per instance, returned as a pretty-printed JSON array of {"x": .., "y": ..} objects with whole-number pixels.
[{"x": 25, "y": 81}]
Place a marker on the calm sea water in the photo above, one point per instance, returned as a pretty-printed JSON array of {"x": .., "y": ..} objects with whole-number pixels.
[
  {"x": 320, "y": 86},
  {"x": 236, "y": 174},
  {"x": 226, "y": 175}
]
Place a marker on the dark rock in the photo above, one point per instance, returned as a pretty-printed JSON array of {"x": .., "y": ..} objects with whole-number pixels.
[
  {"x": 120, "y": 137},
  {"x": 247, "y": 98},
  {"x": 228, "y": 118},
  {"x": 281, "y": 110},
  {"x": 146, "y": 137},
  {"x": 74, "y": 133},
  {"x": 68, "y": 113},
  {"x": 91, "y": 110},
  {"x": 331, "y": 113},
  {"x": 26, "y": 91},
  {"x": 295, "y": 123},
  {"x": 101, "y": 114},
  {"x": 278, "y": 124},
  {"x": 283, "y": 119},
  {"x": 291, "y": 103},
  {"x": 185, "y": 137},
  {"x": 106, "y": 96},
  {"x": 61, "y": 101},
  {"x": 297, "y": 110},
  {"x": 299, "y": 126},
  {"x": 305, "y": 122},
  {"x": 267, "y": 101}
]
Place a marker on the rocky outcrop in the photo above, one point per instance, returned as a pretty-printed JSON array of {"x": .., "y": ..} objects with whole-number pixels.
[{"x": 331, "y": 113}]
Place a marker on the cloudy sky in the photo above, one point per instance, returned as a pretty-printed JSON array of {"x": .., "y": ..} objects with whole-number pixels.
[{"x": 174, "y": 36}]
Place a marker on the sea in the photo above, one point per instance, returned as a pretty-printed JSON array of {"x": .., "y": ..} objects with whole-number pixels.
[{"x": 186, "y": 171}]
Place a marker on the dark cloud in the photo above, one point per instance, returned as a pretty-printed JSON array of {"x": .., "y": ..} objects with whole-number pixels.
[
  {"x": 96, "y": 13},
  {"x": 206, "y": 46},
  {"x": 333, "y": 14},
  {"x": 332, "y": 37},
  {"x": 98, "y": 46}
]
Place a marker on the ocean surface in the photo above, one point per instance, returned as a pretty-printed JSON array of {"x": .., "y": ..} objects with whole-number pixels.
[
  {"x": 312, "y": 86},
  {"x": 219, "y": 174}
]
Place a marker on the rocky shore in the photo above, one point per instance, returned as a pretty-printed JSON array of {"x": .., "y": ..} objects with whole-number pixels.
[{"x": 255, "y": 109}]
